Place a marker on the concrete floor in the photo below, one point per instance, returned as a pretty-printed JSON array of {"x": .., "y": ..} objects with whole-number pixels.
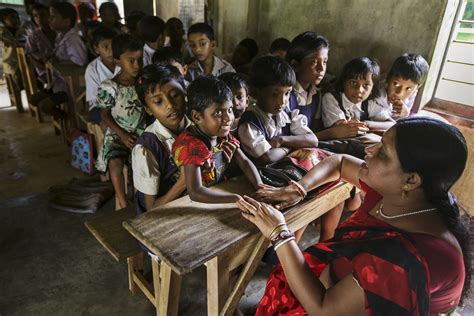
[{"x": 49, "y": 263}]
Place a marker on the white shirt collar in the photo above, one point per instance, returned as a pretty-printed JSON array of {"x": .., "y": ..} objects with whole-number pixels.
[
  {"x": 147, "y": 49},
  {"x": 348, "y": 104},
  {"x": 305, "y": 97}
]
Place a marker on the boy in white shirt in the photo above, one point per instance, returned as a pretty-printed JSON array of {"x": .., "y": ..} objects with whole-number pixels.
[
  {"x": 202, "y": 43},
  {"x": 152, "y": 30},
  {"x": 100, "y": 69}
]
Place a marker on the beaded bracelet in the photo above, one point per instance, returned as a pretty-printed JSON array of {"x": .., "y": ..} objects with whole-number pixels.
[
  {"x": 284, "y": 241},
  {"x": 302, "y": 192}
]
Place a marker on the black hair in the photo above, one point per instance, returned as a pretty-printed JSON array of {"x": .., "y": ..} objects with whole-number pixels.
[
  {"x": 133, "y": 18},
  {"x": 125, "y": 42},
  {"x": 358, "y": 68},
  {"x": 234, "y": 81},
  {"x": 280, "y": 43},
  {"x": 203, "y": 28},
  {"x": 304, "y": 44},
  {"x": 409, "y": 67},
  {"x": 101, "y": 33},
  {"x": 150, "y": 28},
  {"x": 67, "y": 11},
  {"x": 88, "y": 7},
  {"x": 165, "y": 55},
  {"x": 437, "y": 151},
  {"x": 171, "y": 20},
  {"x": 4, "y": 13},
  {"x": 92, "y": 25},
  {"x": 154, "y": 75},
  {"x": 39, "y": 7},
  {"x": 251, "y": 46},
  {"x": 109, "y": 6},
  {"x": 271, "y": 71},
  {"x": 206, "y": 90}
]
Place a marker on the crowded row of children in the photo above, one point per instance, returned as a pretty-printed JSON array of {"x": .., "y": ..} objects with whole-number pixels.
[{"x": 184, "y": 125}]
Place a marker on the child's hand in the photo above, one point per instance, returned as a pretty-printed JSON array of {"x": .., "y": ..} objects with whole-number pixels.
[
  {"x": 275, "y": 142},
  {"x": 400, "y": 109},
  {"x": 350, "y": 128},
  {"x": 228, "y": 150},
  {"x": 128, "y": 139}
]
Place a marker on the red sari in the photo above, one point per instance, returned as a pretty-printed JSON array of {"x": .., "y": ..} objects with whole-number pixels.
[{"x": 390, "y": 265}]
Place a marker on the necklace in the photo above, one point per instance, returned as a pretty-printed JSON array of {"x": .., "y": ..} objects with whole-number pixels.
[{"x": 381, "y": 213}]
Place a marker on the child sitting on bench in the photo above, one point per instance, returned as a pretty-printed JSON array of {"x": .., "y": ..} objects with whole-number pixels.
[
  {"x": 122, "y": 111},
  {"x": 206, "y": 148},
  {"x": 155, "y": 175}
]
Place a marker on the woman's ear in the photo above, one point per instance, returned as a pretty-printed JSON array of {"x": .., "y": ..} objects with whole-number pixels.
[
  {"x": 413, "y": 181},
  {"x": 195, "y": 116}
]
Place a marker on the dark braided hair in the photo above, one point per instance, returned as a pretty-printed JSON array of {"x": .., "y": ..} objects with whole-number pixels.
[{"x": 438, "y": 153}]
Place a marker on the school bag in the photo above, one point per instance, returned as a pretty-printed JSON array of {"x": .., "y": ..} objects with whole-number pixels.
[{"x": 82, "y": 151}]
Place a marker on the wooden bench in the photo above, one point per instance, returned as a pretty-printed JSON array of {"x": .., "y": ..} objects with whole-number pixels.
[
  {"x": 109, "y": 232},
  {"x": 14, "y": 93},
  {"x": 30, "y": 84},
  {"x": 186, "y": 234}
]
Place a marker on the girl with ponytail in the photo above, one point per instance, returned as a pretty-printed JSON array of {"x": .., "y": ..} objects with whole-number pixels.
[{"x": 404, "y": 252}]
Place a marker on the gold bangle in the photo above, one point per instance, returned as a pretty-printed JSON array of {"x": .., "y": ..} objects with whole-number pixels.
[
  {"x": 277, "y": 230},
  {"x": 279, "y": 225}
]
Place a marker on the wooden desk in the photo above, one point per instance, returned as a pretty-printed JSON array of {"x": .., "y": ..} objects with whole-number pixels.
[{"x": 186, "y": 234}]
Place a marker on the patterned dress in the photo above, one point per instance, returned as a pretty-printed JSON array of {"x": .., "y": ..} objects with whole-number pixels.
[
  {"x": 128, "y": 113},
  {"x": 192, "y": 147}
]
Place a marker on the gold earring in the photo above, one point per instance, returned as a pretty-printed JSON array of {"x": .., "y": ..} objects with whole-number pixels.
[{"x": 404, "y": 190}]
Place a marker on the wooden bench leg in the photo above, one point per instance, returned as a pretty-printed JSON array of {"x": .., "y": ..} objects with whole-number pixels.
[
  {"x": 217, "y": 285},
  {"x": 155, "y": 268},
  {"x": 245, "y": 276},
  {"x": 135, "y": 264},
  {"x": 169, "y": 291}
]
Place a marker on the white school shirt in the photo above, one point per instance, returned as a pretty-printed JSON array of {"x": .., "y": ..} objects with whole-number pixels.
[
  {"x": 331, "y": 112},
  {"x": 146, "y": 174},
  {"x": 253, "y": 140},
  {"x": 96, "y": 72},
  {"x": 305, "y": 98},
  {"x": 147, "y": 55},
  {"x": 220, "y": 66}
]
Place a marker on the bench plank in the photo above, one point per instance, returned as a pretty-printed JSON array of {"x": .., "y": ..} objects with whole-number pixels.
[{"x": 108, "y": 230}]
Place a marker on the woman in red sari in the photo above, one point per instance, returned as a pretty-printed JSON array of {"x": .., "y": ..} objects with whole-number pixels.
[{"x": 404, "y": 252}]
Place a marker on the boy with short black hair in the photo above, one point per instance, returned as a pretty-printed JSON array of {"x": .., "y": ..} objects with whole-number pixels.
[
  {"x": 202, "y": 42},
  {"x": 240, "y": 93},
  {"x": 101, "y": 68},
  {"x": 406, "y": 75},
  {"x": 170, "y": 55},
  {"x": 152, "y": 30},
  {"x": 69, "y": 50},
  {"x": 279, "y": 47},
  {"x": 243, "y": 54},
  {"x": 155, "y": 175}
]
